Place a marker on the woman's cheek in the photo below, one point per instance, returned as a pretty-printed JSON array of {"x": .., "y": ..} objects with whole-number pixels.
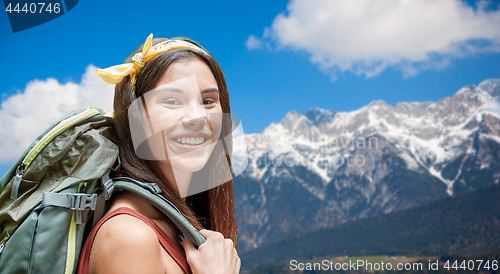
[{"x": 165, "y": 121}]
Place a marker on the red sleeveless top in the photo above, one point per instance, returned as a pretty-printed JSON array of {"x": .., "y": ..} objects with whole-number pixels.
[{"x": 167, "y": 243}]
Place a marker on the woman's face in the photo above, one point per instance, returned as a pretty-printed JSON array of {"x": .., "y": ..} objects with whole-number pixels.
[{"x": 185, "y": 107}]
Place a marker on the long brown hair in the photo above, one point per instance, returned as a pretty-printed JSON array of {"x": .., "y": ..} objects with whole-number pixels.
[{"x": 212, "y": 209}]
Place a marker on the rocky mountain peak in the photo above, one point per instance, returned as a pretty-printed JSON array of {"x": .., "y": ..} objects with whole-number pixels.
[
  {"x": 317, "y": 116},
  {"x": 492, "y": 86},
  {"x": 290, "y": 119}
]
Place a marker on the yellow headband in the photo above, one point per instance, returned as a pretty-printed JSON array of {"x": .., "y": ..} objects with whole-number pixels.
[{"x": 115, "y": 74}]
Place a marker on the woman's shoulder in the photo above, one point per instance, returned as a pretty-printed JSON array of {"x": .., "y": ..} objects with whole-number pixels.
[
  {"x": 125, "y": 244},
  {"x": 126, "y": 228}
]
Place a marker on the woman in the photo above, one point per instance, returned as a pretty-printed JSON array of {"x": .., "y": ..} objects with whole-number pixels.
[{"x": 182, "y": 91}]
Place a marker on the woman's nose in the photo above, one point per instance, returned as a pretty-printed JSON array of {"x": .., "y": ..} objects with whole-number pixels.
[{"x": 195, "y": 116}]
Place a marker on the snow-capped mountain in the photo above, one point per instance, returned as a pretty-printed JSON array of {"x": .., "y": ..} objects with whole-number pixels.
[{"x": 324, "y": 167}]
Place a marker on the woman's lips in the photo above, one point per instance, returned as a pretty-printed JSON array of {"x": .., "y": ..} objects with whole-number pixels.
[{"x": 191, "y": 143}]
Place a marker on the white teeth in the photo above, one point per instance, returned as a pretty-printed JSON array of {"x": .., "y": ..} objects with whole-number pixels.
[{"x": 190, "y": 140}]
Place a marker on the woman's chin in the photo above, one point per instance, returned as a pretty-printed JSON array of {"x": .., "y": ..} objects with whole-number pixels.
[{"x": 189, "y": 164}]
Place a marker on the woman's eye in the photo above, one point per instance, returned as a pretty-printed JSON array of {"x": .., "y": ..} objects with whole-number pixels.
[
  {"x": 172, "y": 102},
  {"x": 208, "y": 102}
]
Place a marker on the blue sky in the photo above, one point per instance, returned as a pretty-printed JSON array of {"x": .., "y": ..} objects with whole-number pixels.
[{"x": 274, "y": 75}]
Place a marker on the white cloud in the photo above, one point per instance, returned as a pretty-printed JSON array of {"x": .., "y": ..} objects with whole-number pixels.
[
  {"x": 367, "y": 36},
  {"x": 26, "y": 115},
  {"x": 253, "y": 43}
]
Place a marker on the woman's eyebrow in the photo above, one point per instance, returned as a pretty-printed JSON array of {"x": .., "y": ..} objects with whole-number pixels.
[
  {"x": 178, "y": 90},
  {"x": 210, "y": 90},
  {"x": 162, "y": 89}
]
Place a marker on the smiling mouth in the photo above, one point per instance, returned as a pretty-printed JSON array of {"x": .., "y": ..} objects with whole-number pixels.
[{"x": 190, "y": 141}]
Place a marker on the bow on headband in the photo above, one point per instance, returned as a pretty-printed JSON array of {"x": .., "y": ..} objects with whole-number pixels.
[{"x": 115, "y": 74}]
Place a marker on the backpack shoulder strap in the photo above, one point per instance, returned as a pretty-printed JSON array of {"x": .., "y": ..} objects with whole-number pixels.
[{"x": 152, "y": 193}]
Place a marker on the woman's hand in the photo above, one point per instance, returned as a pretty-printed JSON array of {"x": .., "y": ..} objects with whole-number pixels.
[{"x": 216, "y": 255}]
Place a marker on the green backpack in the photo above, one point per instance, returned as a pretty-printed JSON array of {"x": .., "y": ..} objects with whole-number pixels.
[{"x": 57, "y": 190}]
